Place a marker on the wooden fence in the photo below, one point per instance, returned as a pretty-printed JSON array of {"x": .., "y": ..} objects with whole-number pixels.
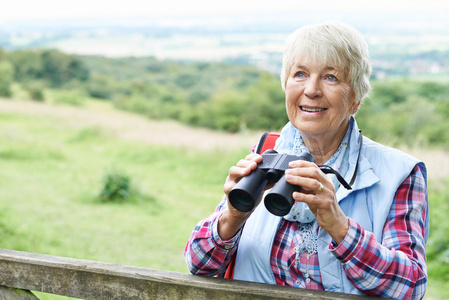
[{"x": 22, "y": 272}]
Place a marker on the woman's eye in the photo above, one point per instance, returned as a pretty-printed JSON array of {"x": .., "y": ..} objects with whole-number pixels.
[
  {"x": 299, "y": 75},
  {"x": 331, "y": 78}
]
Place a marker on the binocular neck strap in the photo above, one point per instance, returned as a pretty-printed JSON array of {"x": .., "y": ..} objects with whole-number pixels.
[{"x": 328, "y": 170}]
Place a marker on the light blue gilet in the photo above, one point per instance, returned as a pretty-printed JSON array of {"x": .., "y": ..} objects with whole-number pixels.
[{"x": 380, "y": 172}]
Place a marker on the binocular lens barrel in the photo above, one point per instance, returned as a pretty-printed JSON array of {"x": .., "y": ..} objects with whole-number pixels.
[
  {"x": 247, "y": 191},
  {"x": 279, "y": 200}
]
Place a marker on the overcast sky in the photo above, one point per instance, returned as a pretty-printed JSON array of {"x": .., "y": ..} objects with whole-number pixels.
[{"x": 57, "y": 9}]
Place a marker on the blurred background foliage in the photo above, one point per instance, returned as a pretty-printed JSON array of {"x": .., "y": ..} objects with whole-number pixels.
[{"x": 223, "y": 96}]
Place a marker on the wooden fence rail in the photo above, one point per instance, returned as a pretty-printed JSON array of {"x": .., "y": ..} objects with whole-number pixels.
[{"x": 21, "y": 272}]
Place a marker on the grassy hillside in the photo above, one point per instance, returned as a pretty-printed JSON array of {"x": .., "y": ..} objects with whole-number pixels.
[
  {"x": 53, "y": 160},
  {"x": 51, "y": 173}
]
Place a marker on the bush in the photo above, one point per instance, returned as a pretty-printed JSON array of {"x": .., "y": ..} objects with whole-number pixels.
[
  {"x": 36, "y": 94},
  {"x": 101, "y": 87},
  {"x": 36, "y": 91},
  {"x": 116, "y": 186}
]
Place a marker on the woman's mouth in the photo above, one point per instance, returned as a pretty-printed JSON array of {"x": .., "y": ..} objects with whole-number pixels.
[{"x": 312, "y": 109}]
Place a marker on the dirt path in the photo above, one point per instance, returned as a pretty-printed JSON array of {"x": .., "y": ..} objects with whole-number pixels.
[{"x": 133, "y": 127}]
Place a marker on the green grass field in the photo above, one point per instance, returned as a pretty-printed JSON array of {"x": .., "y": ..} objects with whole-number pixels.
[{"x": 51, "y": 175}]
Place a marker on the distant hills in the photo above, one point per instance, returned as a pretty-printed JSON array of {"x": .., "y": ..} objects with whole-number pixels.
[{"x": 406, "y": 42}]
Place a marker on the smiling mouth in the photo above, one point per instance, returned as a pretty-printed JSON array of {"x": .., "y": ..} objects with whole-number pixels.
[{"x": 312, "y": 109}]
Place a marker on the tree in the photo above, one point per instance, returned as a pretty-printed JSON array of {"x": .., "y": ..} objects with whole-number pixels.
[
  {"x": 59, "y": 68},
  {"x": 6, "y": 78},
  {"x": 27, "y": 65}
]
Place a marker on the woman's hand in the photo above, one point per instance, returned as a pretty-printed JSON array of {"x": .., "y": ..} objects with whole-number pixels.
[
  {"x": 243, "y": 168},
  {"x": 319, "y": 194},
  {"x": 232, "y": 219}
]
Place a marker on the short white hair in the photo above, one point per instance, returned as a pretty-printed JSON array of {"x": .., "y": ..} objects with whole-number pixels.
[{"x": 334, "y": 44}]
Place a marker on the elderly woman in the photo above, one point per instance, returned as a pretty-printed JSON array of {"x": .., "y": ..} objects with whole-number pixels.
[{"x": 368, "y": 239}]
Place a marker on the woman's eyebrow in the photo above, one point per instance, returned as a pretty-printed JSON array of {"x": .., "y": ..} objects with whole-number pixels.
[
  {"x": 304, "y": 67},
  {"x": 329, "y": 68},
  {"x": 300, "y": 66}
]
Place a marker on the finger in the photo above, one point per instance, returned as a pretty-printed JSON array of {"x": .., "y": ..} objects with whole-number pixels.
[
  {"x": 309, "y": 170},
  {"x": 301, "y": 164},
  {"x": 320, "y": 188},
  {"x": 243, "y": 168},
  {"x": 254, "y": 157},
  {"x": 314, "y": 201},
  {"x": 311, "y": 178},
  {"x": 250, "y": 162},
  {"x": 245, "y": 163},
  {"x": 304, "y": 178},
  {"x": 315, "y": 186},
  {"x": 228, "y": 186},
  {"x": 240, "y": 171}
]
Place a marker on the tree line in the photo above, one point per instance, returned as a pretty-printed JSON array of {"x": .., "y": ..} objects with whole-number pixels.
[{"x": 223, "y": 96}]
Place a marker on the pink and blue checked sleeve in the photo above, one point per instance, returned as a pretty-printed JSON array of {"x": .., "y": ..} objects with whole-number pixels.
[
  {"x": 206, "y": 253},
  {"x": 396, "y": 267}
]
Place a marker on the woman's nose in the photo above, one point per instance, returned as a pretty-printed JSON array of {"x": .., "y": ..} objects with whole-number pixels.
[{"x": 313, "y": 88}]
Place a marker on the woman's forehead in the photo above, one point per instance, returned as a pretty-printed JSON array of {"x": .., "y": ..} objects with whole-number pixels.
[{"x": 309, "y": 63}]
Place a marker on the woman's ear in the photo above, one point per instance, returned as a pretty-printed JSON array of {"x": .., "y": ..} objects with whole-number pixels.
[{"x": 355, "y": 108}]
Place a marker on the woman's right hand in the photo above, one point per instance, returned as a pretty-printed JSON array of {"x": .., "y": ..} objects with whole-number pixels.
[
  {"x": 232, "y": 219},
  {"x": 243, "y": 168}
]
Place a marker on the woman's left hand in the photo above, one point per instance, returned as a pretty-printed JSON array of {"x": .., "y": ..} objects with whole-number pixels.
[{"x": 319, "y": 194}]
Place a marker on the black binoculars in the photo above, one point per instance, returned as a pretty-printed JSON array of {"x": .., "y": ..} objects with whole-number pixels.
[{"x": 279, "y": 200}]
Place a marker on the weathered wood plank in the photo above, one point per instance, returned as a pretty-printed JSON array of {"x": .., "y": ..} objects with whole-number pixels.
[{"x": 97, "y": 280}]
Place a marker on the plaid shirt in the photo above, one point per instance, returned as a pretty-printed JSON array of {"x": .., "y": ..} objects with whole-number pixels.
[{"x": 394, "y": 268}]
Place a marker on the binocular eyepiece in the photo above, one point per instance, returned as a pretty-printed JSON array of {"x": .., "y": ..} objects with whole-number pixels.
[{"x": 279, "y": 200}]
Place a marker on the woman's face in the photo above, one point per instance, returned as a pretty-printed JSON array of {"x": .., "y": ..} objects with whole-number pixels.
[{"x": 319, "y": 99}]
